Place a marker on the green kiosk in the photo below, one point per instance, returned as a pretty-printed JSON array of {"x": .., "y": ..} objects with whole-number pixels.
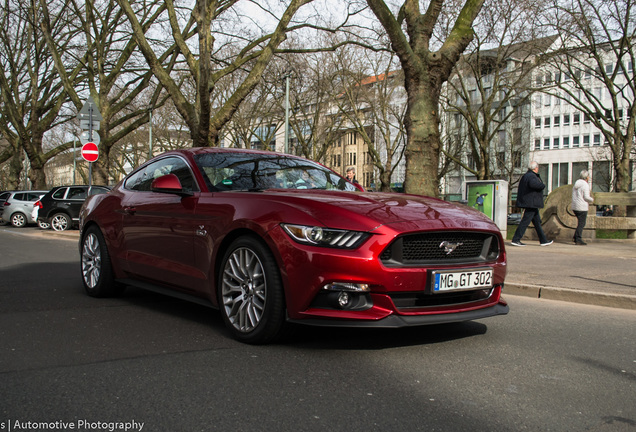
[{"x": 491, "y": 198}]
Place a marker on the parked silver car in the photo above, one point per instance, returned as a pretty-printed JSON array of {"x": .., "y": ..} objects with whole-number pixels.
[{"x": 17, "y": 206}]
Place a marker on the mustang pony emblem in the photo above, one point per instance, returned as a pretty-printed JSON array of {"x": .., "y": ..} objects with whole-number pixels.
[{"x": 449, "y": 247}]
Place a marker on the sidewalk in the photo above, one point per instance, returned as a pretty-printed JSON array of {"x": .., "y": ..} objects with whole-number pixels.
[{"x": 602, "y": 273}]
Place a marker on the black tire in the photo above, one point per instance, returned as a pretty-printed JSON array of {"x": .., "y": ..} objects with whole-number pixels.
[
  {"x": 95, "y": 266},
  {"x": 250, "y": 292},
  {"x": 61, "y": 222},
  {"x": 18, "y": 220}
]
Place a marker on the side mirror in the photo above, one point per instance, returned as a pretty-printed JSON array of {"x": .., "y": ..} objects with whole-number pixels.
[{"x": 169, "y": 184}]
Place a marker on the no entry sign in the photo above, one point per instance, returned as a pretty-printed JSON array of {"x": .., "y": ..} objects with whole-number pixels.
[{"x": 90, "y": 152}]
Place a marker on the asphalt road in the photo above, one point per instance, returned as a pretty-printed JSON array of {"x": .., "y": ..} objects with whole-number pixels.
[{"x": 70, "y": 360}]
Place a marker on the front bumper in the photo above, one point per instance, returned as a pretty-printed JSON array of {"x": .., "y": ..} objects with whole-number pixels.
[{"x": 398, "y": 321}]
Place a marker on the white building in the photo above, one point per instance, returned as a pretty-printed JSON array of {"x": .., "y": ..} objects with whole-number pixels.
[
  {"x": 553, "y": 125},
  {"x": 565, "y": 139}
]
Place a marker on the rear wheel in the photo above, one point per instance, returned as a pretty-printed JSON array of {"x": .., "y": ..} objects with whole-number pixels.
[
  {"x": 250, "y": 292},
  {"x": 97, "y": 273},
  {"x": 44, "y": 225},
  {"x": 61, "y": 222},
  {"x": 18, "y": 220}
]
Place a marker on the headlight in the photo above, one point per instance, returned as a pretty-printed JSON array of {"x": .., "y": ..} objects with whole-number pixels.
[{"x": 327, "y": 237}]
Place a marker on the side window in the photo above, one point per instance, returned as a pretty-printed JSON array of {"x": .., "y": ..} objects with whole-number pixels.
[
  {"x": 142, "y": 179},
  {"x": 59, "y": 194},
  {"x": 19, "y": 197},
  {"x": 76, "y": 193},
  {"x": 181, "y": 170},
  {"x": 138, "y": 181}
]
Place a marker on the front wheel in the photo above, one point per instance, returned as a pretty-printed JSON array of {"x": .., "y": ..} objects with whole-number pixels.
[
  {"x": 44, "y": 225},
  {"x": 97, "y": 273},
  {"x": 61, "y": 222},
  {"x": 250, "y": 292}
]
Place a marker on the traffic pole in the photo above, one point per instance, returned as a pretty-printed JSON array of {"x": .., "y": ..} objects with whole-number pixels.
[{"x": 90, "y": 137}]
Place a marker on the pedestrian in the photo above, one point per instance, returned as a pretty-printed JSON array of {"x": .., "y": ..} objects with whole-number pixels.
[
  {"x": 581, "y": 201},
  {"x": 351, "y": 175},
  {"x": 530, "y": 199}
]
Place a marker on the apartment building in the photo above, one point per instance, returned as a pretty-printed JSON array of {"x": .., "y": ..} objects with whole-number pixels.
[
  {"x": 565, "y": 140},
  {"x": 552, "y": 124}
]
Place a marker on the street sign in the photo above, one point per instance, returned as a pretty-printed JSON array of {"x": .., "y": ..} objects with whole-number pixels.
[
  {"x": 85, "y": 138},
  {"x": 90, "y": 152},
  {"x": 90, "y": 111},
  {"x": 86, "y": 124}
]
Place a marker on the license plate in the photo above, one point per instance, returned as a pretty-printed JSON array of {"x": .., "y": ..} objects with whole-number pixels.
[{"x": 460, "y": 280}]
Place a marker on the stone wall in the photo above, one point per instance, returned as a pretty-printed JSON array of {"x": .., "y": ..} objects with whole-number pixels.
[{"x": 559, "y": 222}]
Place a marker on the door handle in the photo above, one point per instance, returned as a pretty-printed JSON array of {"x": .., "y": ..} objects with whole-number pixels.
[{"x": 130, "y": 210}]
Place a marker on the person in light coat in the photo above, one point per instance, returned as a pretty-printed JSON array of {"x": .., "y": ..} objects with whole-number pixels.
[{"x": 581, "y": 201}]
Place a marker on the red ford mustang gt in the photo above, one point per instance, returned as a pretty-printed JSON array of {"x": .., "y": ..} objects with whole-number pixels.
[{"x": 269, "y": 238}]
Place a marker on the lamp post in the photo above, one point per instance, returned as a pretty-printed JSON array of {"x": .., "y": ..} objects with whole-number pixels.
[
  {"x": 287, "y": 112},
  {"x": 150, "y": 133}
]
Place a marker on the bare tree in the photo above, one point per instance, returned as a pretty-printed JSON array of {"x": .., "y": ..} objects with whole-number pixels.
[
  {"x": 196, "y": 33},
  {"x": 258, "y": 118},
  {"x": 427, "y": 65},
  {"x": 373, "y": 102},
  {"x": 95, "y": 55},
  {"x": 32, "y": 94},
  {"x": 591, "y": 68},
  {"x": 315, "y": 124},
  {"x": 489, "y": 94}
]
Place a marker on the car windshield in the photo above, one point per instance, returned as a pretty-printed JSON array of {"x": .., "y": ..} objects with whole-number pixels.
[{"x": 253, "y": 171}]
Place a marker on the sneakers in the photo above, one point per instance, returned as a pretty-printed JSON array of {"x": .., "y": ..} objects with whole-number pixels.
[
  {"x": 580, "y": 243},
  {"x": 518, "y": 243}
]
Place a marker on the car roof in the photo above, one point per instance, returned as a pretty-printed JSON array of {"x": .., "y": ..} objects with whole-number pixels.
[
  {"x": 23, "y": 191},
  {"x": 203, "y": 150}
]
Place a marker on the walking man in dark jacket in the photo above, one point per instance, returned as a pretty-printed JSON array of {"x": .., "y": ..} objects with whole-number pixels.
[{"x": 530, "y": 199}]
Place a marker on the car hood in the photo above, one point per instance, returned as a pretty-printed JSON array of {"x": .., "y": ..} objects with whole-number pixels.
[{"x": 367, "y": 211}]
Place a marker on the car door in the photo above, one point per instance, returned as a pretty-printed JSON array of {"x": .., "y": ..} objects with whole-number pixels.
[
  {"x": 21, "y": 201},
  {"x": 158, "y": 228},
  {"x": 74, "y": 199}
]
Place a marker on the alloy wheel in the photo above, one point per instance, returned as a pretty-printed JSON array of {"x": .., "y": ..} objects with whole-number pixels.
[
  {"x": 244, "y": 290},
  {"x": 18, "y": 220},
  {"x": 91, "y": 260},
  {"x": 59, "y": 222}
]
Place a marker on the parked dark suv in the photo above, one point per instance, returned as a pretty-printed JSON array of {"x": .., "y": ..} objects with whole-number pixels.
[{"x": 61, "y": 206}]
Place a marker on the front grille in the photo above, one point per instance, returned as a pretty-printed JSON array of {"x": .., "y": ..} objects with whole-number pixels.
[{"x": 441, "y": 248}]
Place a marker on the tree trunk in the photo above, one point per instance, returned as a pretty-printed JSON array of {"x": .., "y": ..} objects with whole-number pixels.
[
  {"x": 15, "y": 170},
  {"x": 423, "y": 141},
  {"x": 622, "y": 170}
]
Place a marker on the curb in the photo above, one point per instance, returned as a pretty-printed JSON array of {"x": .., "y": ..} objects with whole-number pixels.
[
  {"x": 71, "y": 234},
  {"x": 569, "y": 295}
]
